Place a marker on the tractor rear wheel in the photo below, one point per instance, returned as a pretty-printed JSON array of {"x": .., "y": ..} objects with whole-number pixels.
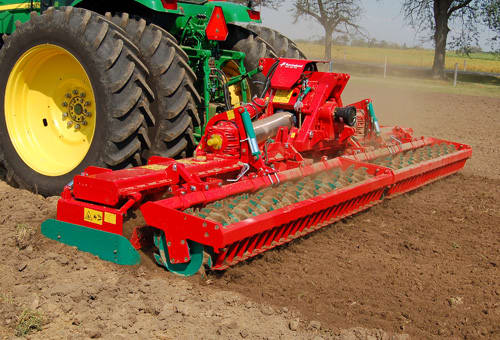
[
  {"x": 172, "y": 80},
  {"x": 242, "y": 40},
  {"x": 74, "y": 94},
  {"x": 283, "y": 46}
]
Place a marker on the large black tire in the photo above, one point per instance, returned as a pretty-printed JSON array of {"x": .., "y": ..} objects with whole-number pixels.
[
  {"x": 243, "y": 40},
  {"x": 283, "y": 46},
  {"x": 118, "y": 80},
  {"x": 172, "y": 80}
]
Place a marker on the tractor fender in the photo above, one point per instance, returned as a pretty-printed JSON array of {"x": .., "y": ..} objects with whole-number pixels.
[
  {"x": 236, "y": 32},
  {"x": 155, "y": 5}
]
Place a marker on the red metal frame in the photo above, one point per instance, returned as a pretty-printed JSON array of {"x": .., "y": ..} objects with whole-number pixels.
[{"x": 164, "y": 188}]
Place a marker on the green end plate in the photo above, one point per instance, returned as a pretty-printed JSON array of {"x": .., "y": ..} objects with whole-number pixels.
[{"x": 107, "y": 246}]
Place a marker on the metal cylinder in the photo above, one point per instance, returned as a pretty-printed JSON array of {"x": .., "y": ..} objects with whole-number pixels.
[{"x": 268, "y": 127}]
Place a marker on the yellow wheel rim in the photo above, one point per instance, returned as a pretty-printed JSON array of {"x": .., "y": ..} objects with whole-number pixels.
[
  {"x": 231, "y": 69},
  {"x": 50, "y": 110}
]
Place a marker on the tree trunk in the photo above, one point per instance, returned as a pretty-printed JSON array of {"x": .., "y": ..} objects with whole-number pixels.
[
  {"x": 328, "y": 44},
  {"x": 440, "y": 37}
]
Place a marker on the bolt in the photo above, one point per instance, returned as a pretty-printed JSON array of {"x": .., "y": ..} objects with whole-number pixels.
[
  {"x": 311, "y": 134},
  {"x": 68, "y": 95},
  {"x": 182, "y": 241},
  {"x": 204, "y": 224},
  {"x": 65, "y": 114},
  {"x": 77, "y": 126},
  {"x": 183, "y": 192},
  {"x": 207, "y": 234},
  {"x": 174, "y": 167},
  {"x": 193, "y": 188},
  {"x": 83, "y": 94},
  {"x": 70, "y": 123},
  {"x": 84, "y": 123},
  {"x": 75, "y": 91},
  {"x": 88, "y": 114},
  {"x": 87, "y": 103},
  {"x": 169, "y": 244},
  {"x": 115, "y": 251},
  {"x": 220, "y": 184},
  {"x": 64, "y": 104},
  {"x": 286, "y": 145},
  {"x": 216, "y": 227},
  {"x": 173, "y": 261},
  {"x": 169, "y": 189},
  {"x": 185, "y": 258},
  {"x": 206, "y": 187}
]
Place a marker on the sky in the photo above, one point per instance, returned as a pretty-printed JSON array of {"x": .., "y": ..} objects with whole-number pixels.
[{"x": 381, "y": 20}]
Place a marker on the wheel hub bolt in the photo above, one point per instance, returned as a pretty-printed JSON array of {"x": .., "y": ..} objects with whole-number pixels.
[
  {"x": 87, "y": 103},
  {"x": 88, "y": 114},
  {"x": 70, "y": 123},
  {"x": 77, "y": 126},
  {"x": 84, "y": 123},
  {"x": 65, "y": 104},
  {"x": 83, "y": 94},
  {"x": 75, "y": 92},
  {"x": 65, "y": 115},
  {"x": 68, "y": 95}
]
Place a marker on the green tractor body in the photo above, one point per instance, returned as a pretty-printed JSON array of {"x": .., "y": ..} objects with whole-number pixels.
[
  {"x": 193, "y": 59},
  {"x": 14, "y": 10}
]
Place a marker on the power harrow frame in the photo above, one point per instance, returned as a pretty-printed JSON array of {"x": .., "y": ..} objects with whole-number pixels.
[{"x": 265, "y": 173}]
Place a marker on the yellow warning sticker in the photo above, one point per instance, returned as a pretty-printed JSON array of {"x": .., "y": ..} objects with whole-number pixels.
[
  {"x": 92, "y": 216},
  {"x": 154, "y": 167},
  {"x": 110, "y": 218},
  {"x": 282, "y": 96},
  {"x": 230, "y": 114},
  {"x": 292, "y": 135}
]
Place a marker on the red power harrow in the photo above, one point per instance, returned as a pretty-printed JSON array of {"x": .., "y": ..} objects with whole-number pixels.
[{"x": 265, "y": 173}]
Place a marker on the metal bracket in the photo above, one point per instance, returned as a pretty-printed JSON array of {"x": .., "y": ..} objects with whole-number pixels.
[{"x": 243, "y": 171}]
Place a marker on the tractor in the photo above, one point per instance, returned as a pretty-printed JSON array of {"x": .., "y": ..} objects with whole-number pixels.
[{"x": 113, "y": 83}]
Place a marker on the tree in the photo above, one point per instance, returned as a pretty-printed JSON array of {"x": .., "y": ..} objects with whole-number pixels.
[
  {"x": 336, "y": 16},
  {"x": 491, "y": 18},
  {"x": 435, "y": 15}
]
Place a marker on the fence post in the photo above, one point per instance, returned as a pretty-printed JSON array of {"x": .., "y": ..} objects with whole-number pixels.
[
  {"x": 455, "y": 76},
  {"x": 330, "y": 67},
  {"x": 465, "y": 65},
  {"x": 385, "y": 67}
]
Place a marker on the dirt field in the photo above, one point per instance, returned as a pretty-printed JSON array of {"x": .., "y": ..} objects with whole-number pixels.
[{"x": 423, "y": 265}]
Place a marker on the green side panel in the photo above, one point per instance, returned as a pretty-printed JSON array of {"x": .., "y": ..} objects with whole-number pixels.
[
  {"x": 107, "y": 246},
  {"x": 14, "y": 10},
  {"x": 154, "y": 5}
]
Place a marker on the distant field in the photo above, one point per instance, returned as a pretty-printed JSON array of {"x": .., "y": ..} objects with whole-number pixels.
[{"x": 478, "y": 62}]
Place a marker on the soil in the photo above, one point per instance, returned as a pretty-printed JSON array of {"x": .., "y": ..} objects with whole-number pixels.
[{"x": 422, "y": 265}]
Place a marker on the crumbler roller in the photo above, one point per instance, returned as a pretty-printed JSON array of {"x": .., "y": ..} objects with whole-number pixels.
[{"x": 294, "y": 160}]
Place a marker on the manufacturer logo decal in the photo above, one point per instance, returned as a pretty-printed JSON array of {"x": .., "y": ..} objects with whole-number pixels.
[{"x": 288, "y": 65}]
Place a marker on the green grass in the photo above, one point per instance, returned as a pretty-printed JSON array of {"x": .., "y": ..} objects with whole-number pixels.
[
  {"x": 477, "y": 62},
  {"x": 28, "y": 322},
  {"x": 23, "y": 235}
]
